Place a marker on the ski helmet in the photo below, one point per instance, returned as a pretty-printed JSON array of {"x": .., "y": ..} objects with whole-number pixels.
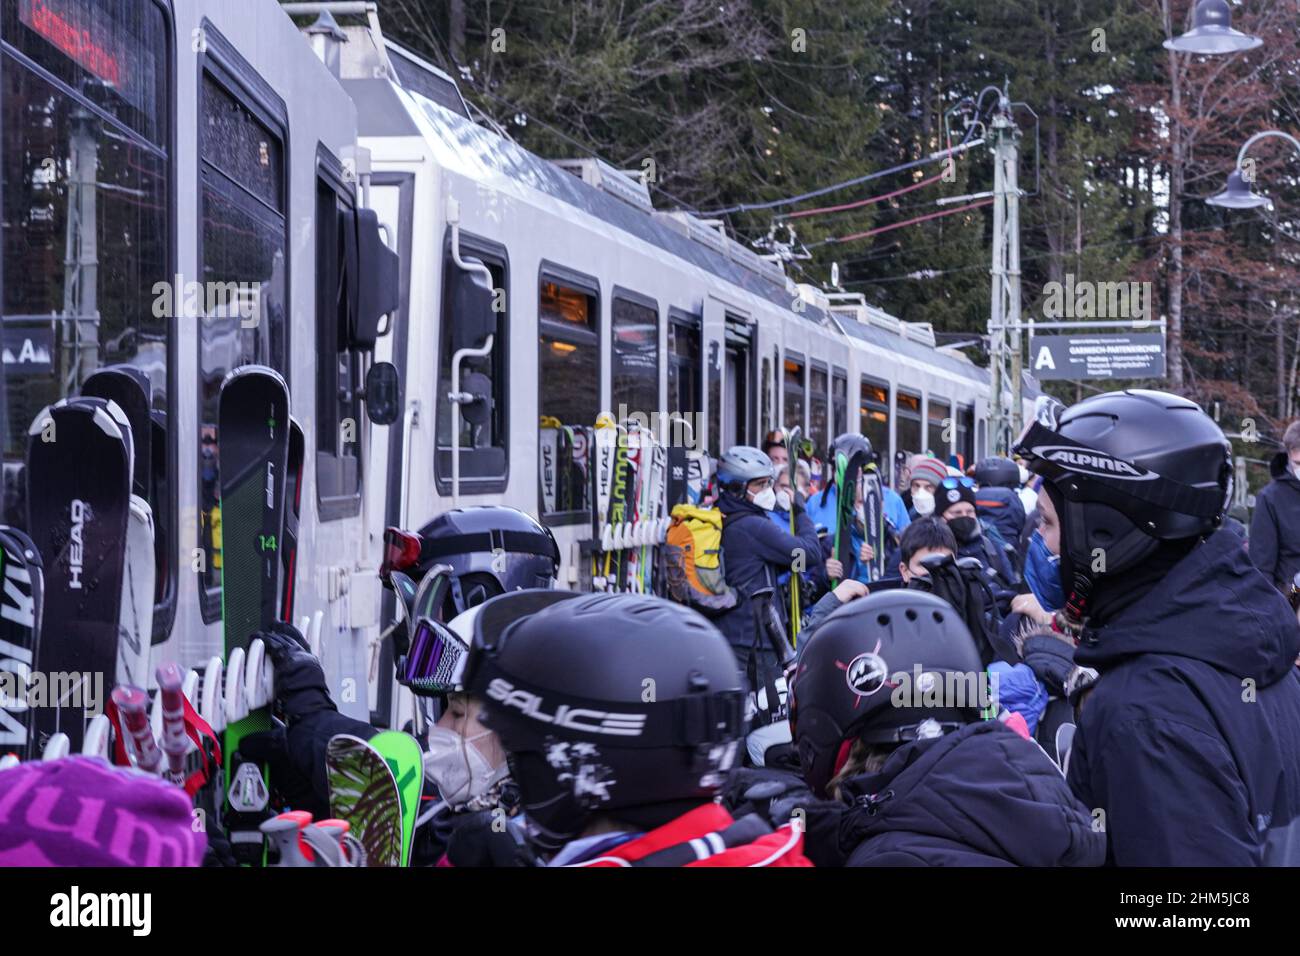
[
  {"x": 1127, "y": 470},
  {"x": 997, "y": 473},
  {"x": 880, "y": 670},
  {"x": 488, "y": 550},
  {"x": 740, "y": 465},
  {"x": 607, "y": 703},
  {"x": 850, "y": 444}
]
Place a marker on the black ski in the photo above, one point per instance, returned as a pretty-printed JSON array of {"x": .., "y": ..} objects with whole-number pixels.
[
  {"x": 253, "y": 450},
  {"x": 130, "y": 388},
  {"x": 78, "y": 504},
  {"x": 293, "y": 508},
  {"x": 20, "y": 634}
]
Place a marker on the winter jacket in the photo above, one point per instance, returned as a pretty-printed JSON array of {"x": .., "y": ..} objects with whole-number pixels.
[
  {"x": 981, "y": 796},
  {"x": 1188, "y": 741},
  {"x": 1275, "y": 528},
  {"x": 1002, "y": 508},
  {"x": 707, "y": 836},
  {"x": 754, "y": 552}
]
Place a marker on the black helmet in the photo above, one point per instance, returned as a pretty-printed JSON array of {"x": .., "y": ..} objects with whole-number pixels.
[
  {"x": 997, "y": 473},
  {"x": 876, "y": 670},
  {"x": 489, "y": 550},
  {"x": 850, "y": 444},
  {"x": 1127, "y": 471},
  {"x": 607, "y": 703},
  {"x": 740, "y": 465}
]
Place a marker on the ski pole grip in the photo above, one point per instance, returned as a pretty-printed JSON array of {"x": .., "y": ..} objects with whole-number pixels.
[
  {"x": 174, "y": 741},
  {"x": 133, "y": 703}
]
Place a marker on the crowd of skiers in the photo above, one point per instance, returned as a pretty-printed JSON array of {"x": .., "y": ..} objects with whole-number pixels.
[{"x": 1071, "y": 662}]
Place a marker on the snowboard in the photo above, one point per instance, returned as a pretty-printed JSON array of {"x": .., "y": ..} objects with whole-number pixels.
[
  {"x": 364, "y": 792},
  {"x": 78, "y": 509},
  {"x": 405, "y": 759},
  {"x": 135, "y": 626},
  {"x": 21, "y": 605},
  {"x": 292, "y": 514},
  {"x": 253, "y": 450}
]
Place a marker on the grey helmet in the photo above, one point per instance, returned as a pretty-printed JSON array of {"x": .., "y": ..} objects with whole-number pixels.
[{"x": 740, "y": 465}]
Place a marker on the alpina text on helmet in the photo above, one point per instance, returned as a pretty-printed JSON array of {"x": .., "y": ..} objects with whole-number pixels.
[
  {"x": 1093, "y": 463},
  {"x": 575, "y": 718}
]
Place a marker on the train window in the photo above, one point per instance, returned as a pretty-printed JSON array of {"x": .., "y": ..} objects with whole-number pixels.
[
  {"x": 243, "y": 252},
  {"x": 873, "y": 416},
  {"x": 766, "y": 408},
  {"x": 738, "y": 401},
  {"x": 338, "y": 366},
  {"x": 568, "y": 393},
  {"x": 794, "y": 391},
  {"x": 684, "y": 377},
  {"x": 907, "y": 428},
  {"x": 87, "y": 246},
  {"x": 840, "y": 402},
  {"x": 818, "y": 409},
  {"x": 966, "y": 433},
  {"x": 939, "y": 420},
  {"x": 484, "y": 442},
  {"x": 635, "y": 355}
]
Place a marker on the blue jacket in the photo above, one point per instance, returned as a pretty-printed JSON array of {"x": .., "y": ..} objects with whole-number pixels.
[
  {"x": 754, "y": 552},
  {"x": 1002, "y": 508},
  {"x": 822, "y": 509},
  {"x": 981, "y": 796},
  {"x": 1189, "y": 741}
]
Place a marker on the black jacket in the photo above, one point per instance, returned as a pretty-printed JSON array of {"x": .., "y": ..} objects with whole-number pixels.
[
  {"x": 982, "y": 796},
  {"x": 754, "y": 552},
  {"x": 1275, "y": 528},
  {"x": 1189, "y": 741}
]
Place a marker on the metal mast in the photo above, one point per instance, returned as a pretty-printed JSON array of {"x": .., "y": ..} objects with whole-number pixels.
[{"x": 1004, "y": 317}]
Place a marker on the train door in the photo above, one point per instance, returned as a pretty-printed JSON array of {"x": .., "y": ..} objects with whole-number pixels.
[{"x": 738, "y": 412}]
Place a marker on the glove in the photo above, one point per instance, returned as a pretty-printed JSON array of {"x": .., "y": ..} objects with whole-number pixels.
[
  {"x": 300, "y": 686},
  {"x": 1051, "y": 660}
]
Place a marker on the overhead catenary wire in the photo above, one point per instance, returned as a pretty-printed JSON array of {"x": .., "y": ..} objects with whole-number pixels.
[
  {"x": 899, "y": 225},
  {"x": 858, "y": 204}
]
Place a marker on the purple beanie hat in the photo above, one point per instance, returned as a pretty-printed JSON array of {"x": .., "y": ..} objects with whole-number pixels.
[{"x": 80, "y": 811}]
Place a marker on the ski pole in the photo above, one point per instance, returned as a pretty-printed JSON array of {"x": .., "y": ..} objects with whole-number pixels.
[
  {"x": 133, "y": 703},
  {"x": 174, "y": 741}
]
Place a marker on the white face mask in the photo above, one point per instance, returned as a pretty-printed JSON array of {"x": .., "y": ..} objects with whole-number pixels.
[
  {"x": 1024, "y": 475},
  {"x": 456, "y": 768},
  {"x": 923, "y": 502},
  {"x": 766, "y": 499},
  {"x": 783, "y": 500}
]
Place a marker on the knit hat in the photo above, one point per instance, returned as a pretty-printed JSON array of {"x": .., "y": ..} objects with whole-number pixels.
[
  {"x": 80, "y": 811},
  {"x": 945, "y": 498},
  {"x": 931, "y": 470}
]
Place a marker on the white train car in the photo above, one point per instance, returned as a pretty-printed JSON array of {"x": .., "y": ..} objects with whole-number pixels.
[{"x": 158, "y": 154}]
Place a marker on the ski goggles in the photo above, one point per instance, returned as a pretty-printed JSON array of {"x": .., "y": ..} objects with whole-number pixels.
[
  {"x": 953, "y": 483},
  {"x": 435, "y": 664}
]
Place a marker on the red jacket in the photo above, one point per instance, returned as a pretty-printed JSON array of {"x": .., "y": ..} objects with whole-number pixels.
[{"x": 696, "y": 836}]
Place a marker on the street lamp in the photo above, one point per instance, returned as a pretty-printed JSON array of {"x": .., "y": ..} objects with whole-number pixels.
[
  {"x": 1212, "y": 32},
  {"x": 1240, "y": 191}
]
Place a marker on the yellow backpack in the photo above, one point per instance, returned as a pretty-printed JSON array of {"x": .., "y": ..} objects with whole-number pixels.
[{"x": 694, "y": 571}]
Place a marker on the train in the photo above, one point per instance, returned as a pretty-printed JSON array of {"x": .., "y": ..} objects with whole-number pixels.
[{"x": 192, "y": 185}]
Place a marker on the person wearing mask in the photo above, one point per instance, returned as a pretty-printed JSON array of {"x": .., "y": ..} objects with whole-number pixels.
[
  {"x": 1275, "y": 528},
  {"x": 926, "y": 474},
  {"x": 1186, "y": 741},
  {"x": 754, "y": 552},
  {"x": 885, "y": 712},
  {"x": 977, "y": 539}
]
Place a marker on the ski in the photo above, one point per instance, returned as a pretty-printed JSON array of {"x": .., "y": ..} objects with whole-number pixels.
[
  {"x": 796, "y": 579},
  {"x": 129, "y": 388},
  {"x": 135, "y": 625},
  {"x": 293, "y": 511},
  {"x": 253, "y": 434},
  {"x": 847, "y": 471},
  {"x": 363, "y": 791},
  {"x": 550, "y": 461},
  {"x": 78, "y": 510},
  {"x": 873, "y": 509},
  {"x": 20, "y": 631}
]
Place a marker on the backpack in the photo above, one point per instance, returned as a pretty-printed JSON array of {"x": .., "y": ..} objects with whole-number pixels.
[{"x": 694, "y": 573}]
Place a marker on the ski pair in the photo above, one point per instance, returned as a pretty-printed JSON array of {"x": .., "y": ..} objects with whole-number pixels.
[{"x": 91, "y": 467}]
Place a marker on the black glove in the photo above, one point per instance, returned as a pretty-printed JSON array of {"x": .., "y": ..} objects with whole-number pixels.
[
  {"x": 300, "y": 686},
  {"x": 1051, "y": 660}
]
